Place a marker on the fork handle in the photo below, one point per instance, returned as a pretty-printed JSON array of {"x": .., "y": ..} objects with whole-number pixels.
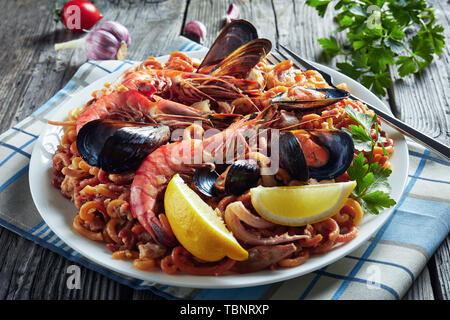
[{"x": 414, "y": 134}]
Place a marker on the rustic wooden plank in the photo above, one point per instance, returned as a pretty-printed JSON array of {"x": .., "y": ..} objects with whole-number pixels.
[
  {"x": 29, "y": 271},
  {"x": 422, "y": 289},
  {"x": 299, "y": 27},
  {"x": 262, "y": 15},
  {"x": 30, "y": 65},
  {"x": 423, "y": 101},
  {"x": 439, "y": 267}
]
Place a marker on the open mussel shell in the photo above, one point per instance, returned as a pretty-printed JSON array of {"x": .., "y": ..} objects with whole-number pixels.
[
  {"x": 119, "y": 146},
  {"x": 240, "y": 62},
  {"x": 234, "y": 179},
  {"x": 341, "y": 149},
  {"x": 204, "y": 180},
  {"x": 331, "y": 96},
  {"x": 91, "y": 139},
  {"x": 234, "y": 35},
  {"x": 292, "y": 157},
  {"x": 338, "y": 144}
]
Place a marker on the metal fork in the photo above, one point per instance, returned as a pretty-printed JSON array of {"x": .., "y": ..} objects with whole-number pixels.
[{"x": 277, "y": 56}]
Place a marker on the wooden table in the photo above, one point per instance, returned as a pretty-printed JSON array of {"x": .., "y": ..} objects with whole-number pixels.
[{"x": 32, "y": 72}]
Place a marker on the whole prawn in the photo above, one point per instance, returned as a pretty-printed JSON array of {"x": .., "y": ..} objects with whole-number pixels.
[
  {"x": 131, "y": 105},
  {"x": 158, "y": 168},
  {"x": 188, "y": 87}
]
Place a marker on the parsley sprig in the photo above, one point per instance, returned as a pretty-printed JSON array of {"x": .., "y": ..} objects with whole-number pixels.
[
  {"x": 380, "y": 34},
  {"x": 372, "y": 186}
]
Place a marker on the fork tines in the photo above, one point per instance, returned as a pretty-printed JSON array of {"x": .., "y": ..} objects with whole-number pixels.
[
  {"x": 305, "y": 65},
  {"x": 276, "y": 56}
]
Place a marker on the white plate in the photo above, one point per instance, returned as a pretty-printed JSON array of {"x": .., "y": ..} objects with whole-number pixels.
[{"x": 58, "y": 212}]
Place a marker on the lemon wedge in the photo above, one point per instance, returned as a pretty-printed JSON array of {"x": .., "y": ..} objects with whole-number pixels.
[
  {"x": 300, "y": 205},
  {"x": 197, "y": 226}
]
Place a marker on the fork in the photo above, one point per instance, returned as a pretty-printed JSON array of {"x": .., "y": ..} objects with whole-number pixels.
[{"x": 277, "y": 56}]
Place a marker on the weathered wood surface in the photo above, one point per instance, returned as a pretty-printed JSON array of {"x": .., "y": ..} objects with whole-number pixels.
[{"x": 31, "y": 67}]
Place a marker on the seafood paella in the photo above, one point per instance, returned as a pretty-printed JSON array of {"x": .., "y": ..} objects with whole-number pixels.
[{"x": 234, "y": 163}]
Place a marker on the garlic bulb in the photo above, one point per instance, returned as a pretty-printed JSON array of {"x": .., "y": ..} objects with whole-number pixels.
[{"x": 110, "y": 40}]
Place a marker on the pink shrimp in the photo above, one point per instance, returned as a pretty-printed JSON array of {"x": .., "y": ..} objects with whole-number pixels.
[
  {"x": 132, "y": 106},
  {"x": 162, "y": 164}
]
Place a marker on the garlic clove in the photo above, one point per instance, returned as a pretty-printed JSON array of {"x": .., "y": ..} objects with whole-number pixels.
[
  {"x": 195, "y": 28},
  {"x": 232, "y": 13},
  {"x": 101, "y": 45}
]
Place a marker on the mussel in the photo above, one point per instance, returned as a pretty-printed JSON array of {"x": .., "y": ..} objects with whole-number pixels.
[
  {"x": 204, "y": 180},
  {"x": 292, "y": 157},
  {"x": 239, "y": 63},
  {"x": 119, "y": 146},
  {"x": 336, "y": 146},
  {"x": 234, "y": 35},
  {"x": 235, "y": 52},
  {"x": 234, "y": 179},
  {"x": 309, "y": 98}
]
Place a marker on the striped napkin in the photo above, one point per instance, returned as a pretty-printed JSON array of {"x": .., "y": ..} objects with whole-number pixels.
[{"x": 384, "y": 267}]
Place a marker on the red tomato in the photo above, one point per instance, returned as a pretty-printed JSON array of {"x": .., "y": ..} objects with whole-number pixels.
[{"x": 79, "y": 15}]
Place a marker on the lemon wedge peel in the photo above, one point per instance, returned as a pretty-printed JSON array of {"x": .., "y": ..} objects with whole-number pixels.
[
  {"x": 197, "y": 226},
  {"x": 300, "y": 205}
]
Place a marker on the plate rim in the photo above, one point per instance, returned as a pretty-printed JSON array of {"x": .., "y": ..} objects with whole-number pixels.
[{"x": 253, "y": 279}]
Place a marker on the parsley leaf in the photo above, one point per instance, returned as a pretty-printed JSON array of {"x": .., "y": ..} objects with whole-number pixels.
[
  {"x": 348, "y": 69},
  {"x": 407, "y": 66},
  {"x": 361, "y": 140},
  {"x": 380, "y": 180},
  {"x": 320, "y": 5},
  {"x": 372, "y": 185},
  {"x": 330, "y": 46},
  {"x": 398, "y": 33},
  {"x": 363, "y": 119},
  {"x": 358, "y": 172},
  {"x": 376, "y": 201}
]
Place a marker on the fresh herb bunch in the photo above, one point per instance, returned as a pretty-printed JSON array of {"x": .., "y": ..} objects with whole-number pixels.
[
  {"x": 372, "y": 186},
  {"x": 382, "y": 33}
]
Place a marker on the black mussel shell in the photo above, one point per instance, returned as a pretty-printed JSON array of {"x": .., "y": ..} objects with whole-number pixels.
[
  {"x": 119, "y": 146},
  {"x": 340, "y": 147},
  {"x": 91, "y": 139},
  {"x": 242, "y": 175},
  {"x": 234, "y": 35},
  {"x": 332, "y": 96},
  {"x": 240, "y": 62},
  {"x": 292, "y": 157},
  {"x": 204, "y": 180}
]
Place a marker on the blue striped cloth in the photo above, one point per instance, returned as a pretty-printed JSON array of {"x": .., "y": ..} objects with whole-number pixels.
[{"x": 384, "y": 267}]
